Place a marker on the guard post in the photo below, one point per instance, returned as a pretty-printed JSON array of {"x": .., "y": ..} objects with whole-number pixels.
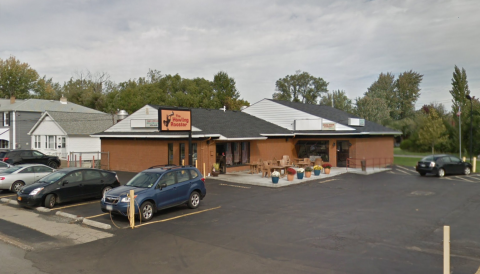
[{"x": 131, "y": 211}]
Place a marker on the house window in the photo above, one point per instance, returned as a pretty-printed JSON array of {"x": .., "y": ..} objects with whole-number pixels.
[
  {"x": 3, "y": 144},
  {"x": 194, "y": 154},
  {"x": 6, "y": 119},
  {"x": 64, "y": 142},
  {"x": 37, "y": 143},
  {"x": 51, "y": 142}
]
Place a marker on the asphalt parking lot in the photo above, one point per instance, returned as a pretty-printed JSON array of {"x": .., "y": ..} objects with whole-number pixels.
[{"x": 391, "y": 222}]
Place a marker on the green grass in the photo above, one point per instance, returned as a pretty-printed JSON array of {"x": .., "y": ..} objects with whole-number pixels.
[
  {"x": 399, "y": 151},
  {"x": 405, "y": 161}
]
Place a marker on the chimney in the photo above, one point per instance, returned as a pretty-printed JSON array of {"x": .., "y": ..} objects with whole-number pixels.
[
  {"x": 12, "y": 100},
  {"x": 63, "y": 100}
]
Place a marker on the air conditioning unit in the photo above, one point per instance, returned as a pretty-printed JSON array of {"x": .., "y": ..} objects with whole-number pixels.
[{"x": 356, "y": 122}]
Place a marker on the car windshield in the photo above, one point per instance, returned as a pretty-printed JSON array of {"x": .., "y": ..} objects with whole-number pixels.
[
  {"x": 52, "y": 178},
  {"x": 12, "y": 169},
  {"x": 427, "y": 159},
  {"x": 144, "y": 179}
]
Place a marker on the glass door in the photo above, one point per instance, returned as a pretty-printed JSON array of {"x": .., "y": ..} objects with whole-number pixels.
[{"x": 342, "y": 153}]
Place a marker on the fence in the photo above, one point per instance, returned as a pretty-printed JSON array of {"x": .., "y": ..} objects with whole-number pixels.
[
  {"x": 369, "y": 162},
  {"x": 95, "y": 159}
]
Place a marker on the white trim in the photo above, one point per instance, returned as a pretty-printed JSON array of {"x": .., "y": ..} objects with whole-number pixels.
[
  {"x": 278, "y": 134},
  {"x": 156, "y": 136},
  {"x": 13, "y": 121},
  {"x": 361, "y": 133},
  {"x": 41, "y": 120},
  {"x": 242, "y": 139}
]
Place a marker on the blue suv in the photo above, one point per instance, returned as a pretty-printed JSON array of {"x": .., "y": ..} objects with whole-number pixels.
[{"x": 157, "y": 188}]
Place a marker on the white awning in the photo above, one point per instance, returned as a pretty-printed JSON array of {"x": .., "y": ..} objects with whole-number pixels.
[{"x": 5, "y": 134}]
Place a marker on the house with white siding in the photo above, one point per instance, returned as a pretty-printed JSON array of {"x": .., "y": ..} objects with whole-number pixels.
[{"x": 60, "y": 133}]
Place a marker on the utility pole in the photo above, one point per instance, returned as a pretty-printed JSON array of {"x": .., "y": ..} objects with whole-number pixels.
[{"x": 460, "y": 130}]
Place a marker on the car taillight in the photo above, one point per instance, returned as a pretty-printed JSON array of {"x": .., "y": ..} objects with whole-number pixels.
[
  {"x": 5, "y": 159},
  {"x": 203, "y": 180},
  {"x": 2, "y": 178}
]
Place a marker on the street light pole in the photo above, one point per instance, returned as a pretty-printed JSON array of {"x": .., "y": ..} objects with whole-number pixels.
[
  {"x": 460, "y": 130},
  {"x": 471, "y": 124}
]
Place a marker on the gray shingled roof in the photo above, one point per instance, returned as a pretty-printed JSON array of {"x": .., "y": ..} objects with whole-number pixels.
[
  {"x": 40, "y": 105},
  {"x": 82, "y": 123},
  {"x": 336, "y": 115}
]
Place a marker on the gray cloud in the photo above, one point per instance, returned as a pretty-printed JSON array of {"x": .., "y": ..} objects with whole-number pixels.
[{"x": 348, "y": 43}]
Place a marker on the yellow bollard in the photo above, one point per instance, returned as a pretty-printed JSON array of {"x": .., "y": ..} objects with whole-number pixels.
[
  {"x": 131, "y": 212},
  {"x": 204, "y": 175},
  {"x": 474, "y": 164},
  {"x": 464, "y": 159},
  {"x": 195, "y": 163},
  {"x": 183, "y": 162}
]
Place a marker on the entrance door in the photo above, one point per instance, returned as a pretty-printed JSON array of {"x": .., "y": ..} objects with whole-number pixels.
[
  {"x": 221, "y": 157},
  {"x": 342, "y": 153}
]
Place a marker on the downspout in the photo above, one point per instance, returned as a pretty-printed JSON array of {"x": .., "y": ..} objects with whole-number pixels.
[{"x": 14, "y": 135}]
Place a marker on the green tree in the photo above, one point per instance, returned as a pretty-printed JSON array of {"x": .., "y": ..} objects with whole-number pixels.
[
  {"x": 384, "y": 88},
  {"x": 300, "y": 87},
  {"x": 372, "y": 109},
  {"x": 407, "y": 91},
  {"x": 88, "y": 89},
  {"x": 459, "y": 91},
  {"x": 226, "y": 93},
  {"x": 340, "y": 100},
  {"x": 433, "y": 131},
  {"x": 17, "y": 78}
]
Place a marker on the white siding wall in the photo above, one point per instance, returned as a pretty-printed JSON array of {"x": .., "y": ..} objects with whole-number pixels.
[
  {"x": 83, "y": 144},
  {"x": 48, "y": 127},
  {"x": 282, "y": 115}
]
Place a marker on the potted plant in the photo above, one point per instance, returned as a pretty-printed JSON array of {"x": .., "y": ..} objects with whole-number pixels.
[
  {"x": 216, "y": 169},
  {"x": 275, "y": 177},
  {"x": 308, "y": 171},
  {"x": 300, "y": 173},
  {"x": 290, "y": 173},
  {"x": 327, "y": 168},
  {"x": 317, "y": 170}
]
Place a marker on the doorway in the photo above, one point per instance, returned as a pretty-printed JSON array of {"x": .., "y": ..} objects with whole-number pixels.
[
  {"x": 221, "y": 158},
  {"x": 343, "y": 148}
]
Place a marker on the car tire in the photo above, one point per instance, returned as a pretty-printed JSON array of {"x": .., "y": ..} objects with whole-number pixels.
[
  {"x": 422, "y": 173},
  {"x": 194, "y": 200},
  {"x": 16, "y": 186},
  {"x": 467, "y": 171},
  {"x": 50, "y": 201},
  {"x": 146, "y": 211},
  {"x": 441, "y": 172},
  {"x": 53, "y": 164},
  {"x": 105, "y": 190}
]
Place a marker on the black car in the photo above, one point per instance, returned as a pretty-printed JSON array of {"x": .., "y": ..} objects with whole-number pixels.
[
  {"x": 443, "y": 164},
  {"x": 28, "y": 156},
  {"x": 66, "y": 185}
]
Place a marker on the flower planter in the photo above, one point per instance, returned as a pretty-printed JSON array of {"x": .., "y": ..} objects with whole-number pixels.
[
  {"x": 327, "y": 171},
  {"x": 215, "y": 174},
  {"x": 299, "y": 175},
  {"x": 308, "y": 174},
  {"x": 316, "y": 172},
  {"x": 290, "y": 177},
  {"x": 275, "y": 180}
]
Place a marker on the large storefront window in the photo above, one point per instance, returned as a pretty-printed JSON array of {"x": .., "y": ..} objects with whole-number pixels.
[
  {"x": 306, "y": 149},
  {"x": 182, "y": 154},
  {"x": 170, "y": 154},
  {"x": 194, "y": 153},
  {"x": 233, "y": 153}
]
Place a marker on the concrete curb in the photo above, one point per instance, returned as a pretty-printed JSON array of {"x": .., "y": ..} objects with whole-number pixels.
[
  {"x": 13, "y": 202},
  {"x": 5, "y": 200},
  {"x": 43, "y": 209},
  {"x": 68, "y": 215},
  {"x": 96, "y": 224}
]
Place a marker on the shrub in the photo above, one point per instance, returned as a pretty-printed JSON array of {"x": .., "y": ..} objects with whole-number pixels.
[
  {"x": 406, "y": 144},
  {"x": 275, "y": 174},
  {"x": 291, "y": 171},
  {"x": 317, "y": 168},
  {"x": 309, "y": 169},
  {"x": 300, "y": 170},
  {"x": 216, "y": 167},
  {"x": 327, "y": 166}
]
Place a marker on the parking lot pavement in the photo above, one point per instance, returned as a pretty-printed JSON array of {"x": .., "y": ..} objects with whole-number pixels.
[{"x": 381, "y": 223}]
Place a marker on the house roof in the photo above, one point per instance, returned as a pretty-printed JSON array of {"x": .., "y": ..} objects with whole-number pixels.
[
  {"x": 216, "y": 123},
  {"x": 338, "y": 116},
  {"x": 40, "y": 105},
  {"x": 79, "y": 124}
]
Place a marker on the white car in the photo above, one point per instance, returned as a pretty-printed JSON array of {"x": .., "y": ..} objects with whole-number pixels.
[
  {"x": 4, "y": 166},
  {"x": 15, "y": 177}
]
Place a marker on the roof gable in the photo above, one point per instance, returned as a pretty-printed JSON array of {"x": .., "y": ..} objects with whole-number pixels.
[{"x": 76, "y": 123}]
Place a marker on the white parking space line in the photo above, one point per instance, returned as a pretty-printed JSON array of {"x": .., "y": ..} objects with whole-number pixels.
[
  {"x": 404, "y": 172},
  {"x": 406, "y": 169},
  {"x": 235, "y": 186},
  {"x": 464, "y": 179},
  {"x": 181, "y": 216},
  {"x": 321, "y": 182}
]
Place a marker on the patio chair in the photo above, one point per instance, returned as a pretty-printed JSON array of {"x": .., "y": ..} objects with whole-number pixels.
[
  {"x": 318, "y": 162},
  {"x": 266, "y": 169},
  {"x": 286, "y": 160}
]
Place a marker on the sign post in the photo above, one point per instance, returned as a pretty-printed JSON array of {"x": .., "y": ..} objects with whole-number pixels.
[{"x": 177, "y": 120}]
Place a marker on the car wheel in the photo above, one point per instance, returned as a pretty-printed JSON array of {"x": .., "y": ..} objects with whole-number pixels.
[
  {"x": 52, "y": 164},
  {"x": 147, "y": 211},
  {"x": 466, "y": 171},
  {"x": 105, "y": 190},
  {"x": 194, "y": 200},
  {"x": 16, "y": 186},
  {"x": 50, "y": 201},
  {"x": 441, "y": 172},
  {"x": 422, "y": 173}
]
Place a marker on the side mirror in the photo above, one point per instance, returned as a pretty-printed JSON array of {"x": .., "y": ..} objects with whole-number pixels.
[
  {"x": 163, "y": 186},
  {"x": 65, "y": 183}
]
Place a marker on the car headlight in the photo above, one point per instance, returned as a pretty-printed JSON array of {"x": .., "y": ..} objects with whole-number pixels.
[
  {"x": 432, "y": 164},
  {"x": 127, "y": 199},
  {"x": 36, "y": 191}
]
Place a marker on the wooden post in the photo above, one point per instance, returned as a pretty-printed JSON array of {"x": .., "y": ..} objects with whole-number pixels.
[
  {"x": 196, "y": 163},
  {"x": 131, "y": 212},
  {"x": 93, "y": 163},
  {"x": 75, "y": 160},
  {"x": 474, "y": 164},
  {"x": 68, "y": 160},
  {"x": 204, "y": 175},
  {"x": 80, "y": 160},
  {"x": 446, "y": 249}
]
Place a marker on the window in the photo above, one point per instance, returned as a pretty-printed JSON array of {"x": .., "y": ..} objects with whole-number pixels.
[
  {"x": 37, "y": 154},
  {"x": 73, "y": 177},
  {"x": 26, "y": 154},
  {"x": 194, "y": 154},
  {"x": 6, "y": 119},
  {"x": 92, "y": 175},
  {"x": 235, "y": 153},
  {"x": 37, "y": 143},
  {"x": 3, "y": 144},
  {"x": 42, "y": 169},
  {"x": 64, "y": 142},
  {"x": 170, "y": 154},
  {"x": 182, "y": 176},
  {"x": 305, "y": 149},
  {"x": 2, "y": 164},
  {"x": 51, "y": 142},
  {"x": 182, "y": 154},
  {"x": 455, "y": 160},
  {"x": 167, "y": 178},
  {"x": 27, "y": 170},
  {"x": 193, "y": 174}
]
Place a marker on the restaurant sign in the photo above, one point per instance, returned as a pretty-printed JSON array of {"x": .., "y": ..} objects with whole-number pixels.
[
  {"x": 151, "y": 123},
  {"x": 174, "y": 119},
  {"x": 328, "y": 126}
]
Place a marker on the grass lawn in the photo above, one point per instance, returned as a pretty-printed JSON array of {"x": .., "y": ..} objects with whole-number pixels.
[
  {"x": 399, "y": 151},
  {"x": 405, "y": 161}
]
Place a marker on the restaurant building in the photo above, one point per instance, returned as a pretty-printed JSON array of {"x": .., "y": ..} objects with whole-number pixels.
[{"x": 266, "y": 130}]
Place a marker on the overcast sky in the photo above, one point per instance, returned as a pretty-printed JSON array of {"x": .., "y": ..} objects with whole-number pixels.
[{"x": 347, "y": 43}]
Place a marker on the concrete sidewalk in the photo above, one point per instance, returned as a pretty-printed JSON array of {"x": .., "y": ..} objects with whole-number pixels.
[{"x": 257, "y": 180}]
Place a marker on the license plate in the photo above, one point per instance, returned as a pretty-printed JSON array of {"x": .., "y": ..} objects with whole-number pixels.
[
  {"x": 109, "y": 207},
  {"x": 422, "y": 165},
  {"x": 19, "y": 198}
]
